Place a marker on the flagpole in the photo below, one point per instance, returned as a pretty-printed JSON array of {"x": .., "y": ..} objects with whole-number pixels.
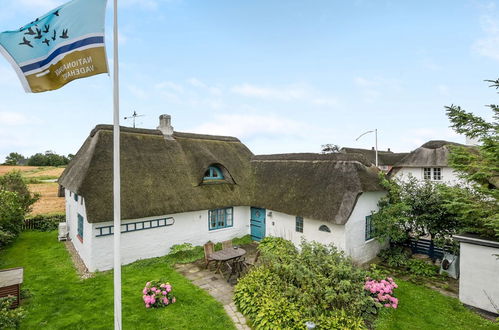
[{"x": 116, "y": 175}]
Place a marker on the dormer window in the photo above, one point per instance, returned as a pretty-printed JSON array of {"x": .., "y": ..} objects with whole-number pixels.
[{"x": 213, "y": 173}]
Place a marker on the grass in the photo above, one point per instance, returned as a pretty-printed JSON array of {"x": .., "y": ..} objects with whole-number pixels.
[
  {"x": 421, "y": 308},
  {"x": 60, "y": 299}
]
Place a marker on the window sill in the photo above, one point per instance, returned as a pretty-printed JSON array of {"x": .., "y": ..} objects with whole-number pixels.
[
  {"x": 220, "y": 229},
  {"x": 369, "y": 240},
  {"x": 80, "y": 238}
]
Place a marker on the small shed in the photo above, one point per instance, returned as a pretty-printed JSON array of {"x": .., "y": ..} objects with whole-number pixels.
[
  {"x": 10, "y": 283},
  {"x": 479, "y": 270}
]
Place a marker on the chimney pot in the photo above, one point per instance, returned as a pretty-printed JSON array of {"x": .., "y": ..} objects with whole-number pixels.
[
  {"x": 372, "y": 148},
  {"x": 389, "y": 150},
  {"x": 165, "y": 126}
]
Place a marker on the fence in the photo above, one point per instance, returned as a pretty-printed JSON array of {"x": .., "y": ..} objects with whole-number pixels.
[
  {"x": 426, "y": 246},
  {"x": 43, "y": 223}
]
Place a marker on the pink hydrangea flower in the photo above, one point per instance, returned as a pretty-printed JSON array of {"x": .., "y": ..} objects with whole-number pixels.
[
  {"x": 174, "y": 299},
  {"x": 148, "y": 284},
  {"x": 147, "y": 305}
]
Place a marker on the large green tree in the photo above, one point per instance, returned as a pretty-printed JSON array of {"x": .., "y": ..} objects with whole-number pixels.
[
  {"x": 14, "y": 158},
  {"x": 412, "y": 209},
  {"x": 480, "y": 167}
]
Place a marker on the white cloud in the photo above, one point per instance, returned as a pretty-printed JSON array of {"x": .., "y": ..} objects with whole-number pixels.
[
  {"x": 252, "y": 125},
  {"x": 169, "y": 86},
  {"x": 199, "y": 84},
  {"x": 488, "y": 46},
  {"x": 13, "y": 118},
  {"x": 137, "y": 92},
  {"x": 285, "y": 93},
  {"x": 373, "y": 88},
  {"x": 418, "y": 136},
  {"x": 289, "y": 93}
]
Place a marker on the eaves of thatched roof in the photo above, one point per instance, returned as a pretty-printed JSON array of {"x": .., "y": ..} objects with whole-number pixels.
[
  {"x": 323, "y": 187},
  {"x": 432, "y": 153},
  {"x": 164, "y": 176},
  {"x": 387, "y": 158}
]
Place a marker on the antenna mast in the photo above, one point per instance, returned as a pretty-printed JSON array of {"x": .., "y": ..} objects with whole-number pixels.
[{"x": 133, "y": 116}]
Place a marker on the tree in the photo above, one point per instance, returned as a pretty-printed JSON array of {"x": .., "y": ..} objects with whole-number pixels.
[
  {"x": 479, "y": 166},
  {"x": 11, "y": 216},
  {"x": 14, "y": 158},
  {"x": 13, "y": 181},
  {"x": 413, "y": 209},
  {"x": 330, "y": 148}
]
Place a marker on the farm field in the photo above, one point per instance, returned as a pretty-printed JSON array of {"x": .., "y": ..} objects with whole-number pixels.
[{"x": 48, "y": 203}]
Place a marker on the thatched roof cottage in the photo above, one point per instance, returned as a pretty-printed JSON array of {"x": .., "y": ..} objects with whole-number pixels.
[
  {"x": 428, "y": 162},
  {"x": 182, "y": 187}
]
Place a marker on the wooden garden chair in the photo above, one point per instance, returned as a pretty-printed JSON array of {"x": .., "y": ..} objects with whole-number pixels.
[
  {"x": 209, "y": 248},
  {"x": 227, "y": 245},
  {"x": 251, "y": 262}
]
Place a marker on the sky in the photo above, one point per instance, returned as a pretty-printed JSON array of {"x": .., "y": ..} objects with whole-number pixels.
[{"x": 282, "y": 76}]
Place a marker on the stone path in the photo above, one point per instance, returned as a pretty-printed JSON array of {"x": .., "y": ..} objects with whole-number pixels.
[{"x": 216, "y": 286}]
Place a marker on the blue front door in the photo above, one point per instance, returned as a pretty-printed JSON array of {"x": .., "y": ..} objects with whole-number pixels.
[{"x": 257, "y": 223}]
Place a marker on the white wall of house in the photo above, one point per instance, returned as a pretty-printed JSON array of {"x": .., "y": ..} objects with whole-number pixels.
[
  {"x": 189, "y": 227},
  {"x": 284, "y": 225},
  {"x": 356, "y": 245},
  {"x": 479, "y": 276},
  {"x": 349, "y": 237},
  {"x": 448, "y": 175},
  {"x": 73, "y": 208}
]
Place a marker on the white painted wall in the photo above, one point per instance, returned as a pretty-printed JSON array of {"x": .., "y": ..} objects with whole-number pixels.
[
  {"x": 284, "y": 225},
  {"x": 189, "y": 227},
  {"x": 72, "y": 209},
  {"x": 349, "y": 237},
  {"x": 448, "y": 175},
  {"x": 355, "y": 229},
  {"x": 479, "y": 276}
]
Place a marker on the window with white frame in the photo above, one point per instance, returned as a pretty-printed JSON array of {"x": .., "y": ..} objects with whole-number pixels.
[
  {"x": 432, "y": 173},
  {"x": 220, "y": 218},
  {"x": 437, "y": 173}
]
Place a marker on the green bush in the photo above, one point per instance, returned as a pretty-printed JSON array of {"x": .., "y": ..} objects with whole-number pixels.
[
  {"x": 47, "y": 222},
  {"x": 293, "y": 286},
  {"x": 395, "y": 256},
  {"x": 13, "y": 181},
  {"x": 10, "y": 318},
  {"x": 11, "y": 216},
  {"x": 421, "y": 268}
]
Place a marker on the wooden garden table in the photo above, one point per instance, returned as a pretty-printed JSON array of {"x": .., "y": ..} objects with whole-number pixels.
[{"x": 225, "y": 256}]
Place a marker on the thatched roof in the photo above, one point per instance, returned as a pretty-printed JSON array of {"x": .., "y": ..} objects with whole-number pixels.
[
  {"x": 158, "y": 176},
  {"x": 161, "y": 176},
  {"x": 432, "y": 153},
  {"x": 387, "y": 158},
  {"x": 323, "y": 187}
]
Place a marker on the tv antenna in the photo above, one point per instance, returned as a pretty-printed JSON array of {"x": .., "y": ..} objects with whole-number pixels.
[{"x": 133, "y": 116}]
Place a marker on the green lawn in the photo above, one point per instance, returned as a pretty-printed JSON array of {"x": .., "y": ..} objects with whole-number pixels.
[
  {"x": 60, "y": 300},
  {"x": 421, "y": 308}
]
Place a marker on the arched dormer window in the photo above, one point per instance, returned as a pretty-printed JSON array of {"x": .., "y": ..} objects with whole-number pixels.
[
  {"x": 213, "y": 173},
  {"x": 324, "y": 228}
]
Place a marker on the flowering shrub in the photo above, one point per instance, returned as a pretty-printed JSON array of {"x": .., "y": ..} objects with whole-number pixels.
[
  {"x": 382, "y": 291},
  {"x": 157, "y": 294}
]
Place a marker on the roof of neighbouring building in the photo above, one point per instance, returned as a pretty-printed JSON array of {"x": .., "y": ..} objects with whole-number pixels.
[
  {"x": 387, "y": 158},
  {"x": 161, "y": 176},
  {"x": 432, "y": 153}
]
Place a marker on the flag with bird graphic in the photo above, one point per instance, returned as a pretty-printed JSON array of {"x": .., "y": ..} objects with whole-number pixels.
[{"x": 65, "y": 44}]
